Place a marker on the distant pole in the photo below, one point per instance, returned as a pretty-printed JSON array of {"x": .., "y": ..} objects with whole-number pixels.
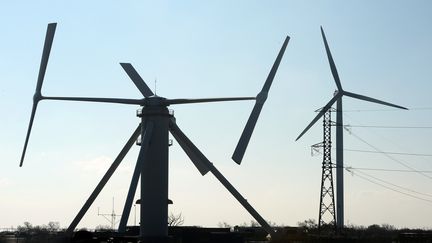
[{"x": 112, "y": 216}]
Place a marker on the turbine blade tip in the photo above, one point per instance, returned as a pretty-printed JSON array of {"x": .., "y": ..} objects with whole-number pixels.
[
  {"x": 299, "y": 136},
  {"x": 235, "y": 158}
]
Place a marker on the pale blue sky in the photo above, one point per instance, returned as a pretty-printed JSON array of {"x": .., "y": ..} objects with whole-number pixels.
[{"x": 214, "y": 49}]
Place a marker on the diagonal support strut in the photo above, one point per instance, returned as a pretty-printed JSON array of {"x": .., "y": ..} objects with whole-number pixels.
[{"x": 103, "y": 181}]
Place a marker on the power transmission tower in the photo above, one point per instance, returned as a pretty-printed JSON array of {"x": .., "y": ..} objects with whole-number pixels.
[{"x": 327, "y": 215}]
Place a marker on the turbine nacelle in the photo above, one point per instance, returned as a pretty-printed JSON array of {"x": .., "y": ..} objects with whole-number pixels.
[
  {"x": 154, "y": 100},
  {"x": 336, "y": 92}
]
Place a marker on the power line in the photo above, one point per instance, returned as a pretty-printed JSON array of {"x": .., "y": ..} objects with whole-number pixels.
[
  {"x": 382, "y": 169},
  {"x": 314, "y": 150},
  {"x": 391, "y": 184},
  {"x": 386, "y": 152},
  {"x": 392, "y": 189},
  {"x": 391, "y": 127},
  {"x": 392, "y": 141},
  {"x": 390, "y": 157},
  {"x": 380, "y": 110}
]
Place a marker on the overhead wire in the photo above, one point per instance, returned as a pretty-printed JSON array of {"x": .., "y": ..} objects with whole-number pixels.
[
  {"x": 390, "y": 127},
  {"x": 389, "y": 183},
  {"x": 422, "y": 156},
  {"x": 380, "y": 110},
  {"x": 386, "y": 152},
  {"x": 380, "y": 169},
  {"x": 388, "y": 156},
  {"x": 392, "y": 189}
]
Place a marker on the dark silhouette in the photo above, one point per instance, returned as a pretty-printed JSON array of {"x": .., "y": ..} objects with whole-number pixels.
[
  {"x": 306, "y": 232},
  {"x": 152, "y": 164},
  {"x": 339, "y": 130}
]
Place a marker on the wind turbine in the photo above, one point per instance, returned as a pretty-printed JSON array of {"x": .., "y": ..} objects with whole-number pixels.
[
  {"x": 152, "y": 163},
  {"x": 339, "y": 130}
]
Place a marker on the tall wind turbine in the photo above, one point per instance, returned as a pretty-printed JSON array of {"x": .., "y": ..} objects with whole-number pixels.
[
  {"x": 339, "y": 130},
  {"x": 152, "y": 163}
]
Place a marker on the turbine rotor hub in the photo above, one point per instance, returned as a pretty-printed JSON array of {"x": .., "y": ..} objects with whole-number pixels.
[{"x": 155, "y": 101}]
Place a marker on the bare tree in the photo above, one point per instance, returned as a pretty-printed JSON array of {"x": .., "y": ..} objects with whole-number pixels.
[{"x": 175, "y": 220}]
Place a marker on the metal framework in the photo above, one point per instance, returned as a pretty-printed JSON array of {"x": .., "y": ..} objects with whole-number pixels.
[{"x": 327, "y": 214}]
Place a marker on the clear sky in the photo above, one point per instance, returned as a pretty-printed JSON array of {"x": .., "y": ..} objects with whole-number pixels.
[{"x": 199, "y": 49}]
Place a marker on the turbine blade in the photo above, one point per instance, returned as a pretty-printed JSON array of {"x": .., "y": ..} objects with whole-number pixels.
[
  {"x": 49, "y": 37},
  {"x": 33, "y": 112},
  {"x": 362, "y": 97},
  {"x": 331, "y": 62},
  {"x": 136, "y": 78},
  {"x": 198, "y": 158},
  {"x": 246, "y": 134},
  {"x": 274, "y": 69},
  {"x": 189, "y": 101},
  {"x": 102, "y": 100},
  {"x": 320, "y": 114},
  {"x": 104, "y": 180},
  {"x": 45, "y": 55},
  {"x": 260, "y": 100}
]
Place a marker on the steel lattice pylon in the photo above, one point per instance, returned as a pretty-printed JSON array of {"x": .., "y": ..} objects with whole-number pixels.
[{"x": 327, "y": 214}]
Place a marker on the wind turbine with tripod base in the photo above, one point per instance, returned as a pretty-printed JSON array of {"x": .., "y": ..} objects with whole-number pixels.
[{"x": 152, "y": 163}]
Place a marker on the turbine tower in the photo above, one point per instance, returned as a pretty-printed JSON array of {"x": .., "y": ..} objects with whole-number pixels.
[
  {"x": 339, "y": 130},
  {"x": 152, "y": 163}
]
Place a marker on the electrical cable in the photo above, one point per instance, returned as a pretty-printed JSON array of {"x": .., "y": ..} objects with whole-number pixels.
[
  {"x": 386, "y": 152},
  {"x": 391, "y": 127},
  {"x": 381, "y": 169},
  {"x": 390, "y": 157},
  {"x": 392, "y": 142},
  {"x": 410, "y": 109},
  {"x": 392, "y": 189},
  {"x": 391, "y": 184}
]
